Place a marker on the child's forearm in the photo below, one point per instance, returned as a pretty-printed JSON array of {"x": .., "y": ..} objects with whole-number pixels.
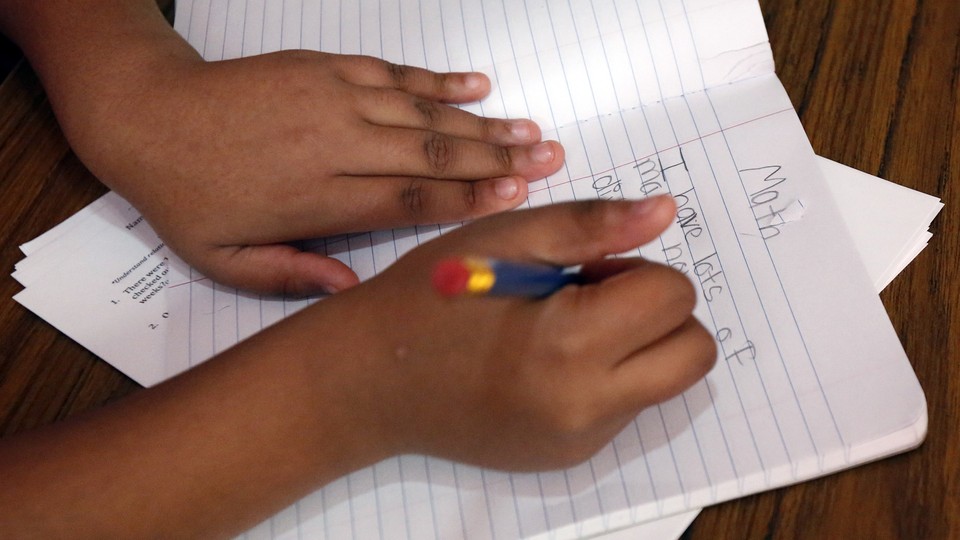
[
  {"x": 207, "y": 454},
  {"x": 71, "y": 41},
  {"x": 81, "y": 49}
]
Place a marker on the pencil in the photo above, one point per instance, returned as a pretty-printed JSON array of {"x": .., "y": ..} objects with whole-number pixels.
[{"x": 475, "y": 276}]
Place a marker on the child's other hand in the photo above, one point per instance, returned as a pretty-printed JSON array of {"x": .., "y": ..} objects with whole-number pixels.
[
  {"x": 230, "y": 161},
  {"x": 519, "y": 383}
]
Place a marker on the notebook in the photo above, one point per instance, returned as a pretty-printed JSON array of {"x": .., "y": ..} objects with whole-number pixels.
[{"x": 672, "y": 96}]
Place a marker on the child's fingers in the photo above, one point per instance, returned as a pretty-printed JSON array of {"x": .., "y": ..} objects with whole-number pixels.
[
  {"x": 445, "y": 87},
  {"x": 599, "y": 270},
  {"x": 570, "y": 233},
  {"x": 629, "y": 311},
  {"x": 663, "y": 369},
  {"x": 414, "y": 152},
  {"x": 366, "y": 203},
  {"x": 391, "y": 108},
  {"x": 354, "y": 204},
  {"x": 278, "y": 269}
]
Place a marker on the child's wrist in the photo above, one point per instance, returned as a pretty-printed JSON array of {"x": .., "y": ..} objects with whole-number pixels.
[{"x": 347, "y": 386}]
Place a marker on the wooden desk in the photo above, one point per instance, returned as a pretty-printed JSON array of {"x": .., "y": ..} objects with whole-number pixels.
[{"x": 876, "y": 87}]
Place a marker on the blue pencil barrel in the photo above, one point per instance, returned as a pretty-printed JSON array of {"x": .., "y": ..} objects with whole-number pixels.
[{"x": 528, "y": 279}]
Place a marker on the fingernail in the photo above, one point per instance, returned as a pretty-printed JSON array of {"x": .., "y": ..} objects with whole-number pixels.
[
  {"x": 542, "y": 153},
  {"x": 506, "y": 188},
  {"x": 473, "y": 81},
  {"x": 643, "y": 206},
  {"x": 520, "y": 131},
  {"x": 331, "y": 289}
]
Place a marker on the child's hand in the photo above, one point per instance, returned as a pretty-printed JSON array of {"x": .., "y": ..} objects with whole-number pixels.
[
  {"x": 517, "y": 383},
  {"x": 230, "y": 160},
  {"x": 385, "y": 368}
]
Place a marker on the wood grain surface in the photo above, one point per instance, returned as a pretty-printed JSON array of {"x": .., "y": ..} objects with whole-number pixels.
[{"x": 876, "y": 85}]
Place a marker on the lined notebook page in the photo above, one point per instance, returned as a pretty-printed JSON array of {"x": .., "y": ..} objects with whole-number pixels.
[
  {"x": 647, "y": 97},
  {"x": 543, "y": 64}
]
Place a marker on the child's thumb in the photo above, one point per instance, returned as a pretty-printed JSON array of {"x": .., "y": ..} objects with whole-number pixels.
[
  {"x": 571, "y": 233},
  {"x": 279, "y": 269}
]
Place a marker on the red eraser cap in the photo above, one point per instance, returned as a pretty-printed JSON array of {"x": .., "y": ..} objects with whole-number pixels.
[{"x": 450, "y": 277}]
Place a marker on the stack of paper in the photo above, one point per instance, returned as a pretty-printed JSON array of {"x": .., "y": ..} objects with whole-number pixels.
[
  {"x": 676, "y": 96},
  {"x": 105, "y": 259}
]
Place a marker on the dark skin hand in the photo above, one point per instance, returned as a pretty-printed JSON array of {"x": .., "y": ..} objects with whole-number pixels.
[{"x": 232, "y": 161}]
